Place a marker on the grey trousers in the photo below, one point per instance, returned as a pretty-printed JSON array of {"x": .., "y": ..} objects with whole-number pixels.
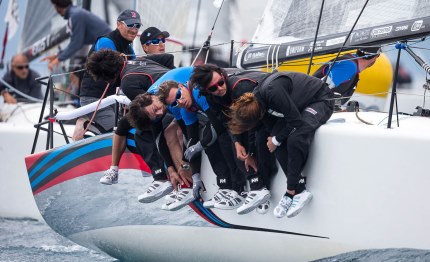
[{"x": 104, "y": 117}]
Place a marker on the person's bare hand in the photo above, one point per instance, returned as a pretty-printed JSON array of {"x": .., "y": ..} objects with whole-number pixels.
[
  {"x": 175, "y": 179},
  {"x": 250, "y": 162},
  {"x": 186, "y": 175},
  {"x": 48, "y": 58},
  {"x": 78, "y": 132},
  {"x": 8, "y": 98},
  {"x": 240, "y": 151}
]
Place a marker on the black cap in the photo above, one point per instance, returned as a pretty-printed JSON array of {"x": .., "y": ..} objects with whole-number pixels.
[
  {"x": 368, "y": 52},
  {"x": 151, "y": 33},
  {"x": 129, "y": 17}
]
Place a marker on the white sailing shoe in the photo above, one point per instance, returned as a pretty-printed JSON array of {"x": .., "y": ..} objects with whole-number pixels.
[
  {"x": 299, "y": 202},
  {"x": 254, "y": 198},
  {"x": 110, "y": 177},
  {"x": 263, "y": 208},
  {"x": 231, "y": 201},
  {"x": 183, "y": 198},
  {"x": 282, "y": 208},
  {"x": 156, "y": 190},
  {"x": 169, "y": 199},
  {"x": 219, "y": 195}
]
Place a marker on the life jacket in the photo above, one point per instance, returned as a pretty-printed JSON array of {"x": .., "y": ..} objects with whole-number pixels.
[
  {"x": 92, "y": 88},
  {"x": 135, "y": 69},
  {"x": 302, "y": 89},
  {"x": 347, "y": 88}
]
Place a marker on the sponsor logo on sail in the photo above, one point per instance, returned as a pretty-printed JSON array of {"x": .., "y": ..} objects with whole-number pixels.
[
  {"x": 318, "y": 45},
  {"x": 381, "y": 31},
  {"x": 254, "y": 55},
  {"x": 417, "y": 25},
  {"x": 291, "y": 50},
  {"x": 360, "y": 35},
  {"x": 401, "y": 28},
  {"x": 335, "y": 41}
]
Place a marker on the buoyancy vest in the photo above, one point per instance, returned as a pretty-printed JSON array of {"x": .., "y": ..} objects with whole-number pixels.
[
  {"x": 302, "y": 88},
  {"x": 135, "y": 70},
  {"x": 92, "y": 88},
  {"x": 347, "y": 88}
]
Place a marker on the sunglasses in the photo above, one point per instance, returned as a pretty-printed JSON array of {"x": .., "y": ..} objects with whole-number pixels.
[
  {"x": 156, "y": 41},
  {"x": 214, "y": 87},
  {"x": 21, "y": 67},
  {"x": 132, "y": 25},
  {"x": 177, "y": 97}
]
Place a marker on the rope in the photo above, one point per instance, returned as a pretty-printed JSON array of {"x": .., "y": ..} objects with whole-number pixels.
[
  {"x": 361, "y": 119},
  {"x": 97, "y": 107}
]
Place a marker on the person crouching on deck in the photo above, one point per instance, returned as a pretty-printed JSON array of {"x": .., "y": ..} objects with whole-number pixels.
[{"x": 291, "y": 106}]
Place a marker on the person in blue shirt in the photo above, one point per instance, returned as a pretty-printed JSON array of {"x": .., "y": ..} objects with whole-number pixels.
[
  {"x": 84, "y": 26},
  {"x": 121, "y": 40},
  {"x": 193, "y": 110},
  {"x": 344, "y": 74}
]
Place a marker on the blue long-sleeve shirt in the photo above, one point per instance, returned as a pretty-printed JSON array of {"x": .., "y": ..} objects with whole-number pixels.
[{"x": 85, "y": 28}]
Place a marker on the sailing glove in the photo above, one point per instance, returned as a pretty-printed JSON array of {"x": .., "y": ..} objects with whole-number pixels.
[
  {"x": 193, "y": 150},
  {"x": 197, "y": 186}
]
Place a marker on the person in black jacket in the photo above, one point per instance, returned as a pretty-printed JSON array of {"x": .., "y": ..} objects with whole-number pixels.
[
  {"x": 291, "y": 106},
  {"x": 221, "y": 87},
  {"x": 22, "y": 78}
]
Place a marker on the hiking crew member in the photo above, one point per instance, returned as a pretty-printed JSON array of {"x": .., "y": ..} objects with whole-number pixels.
[
  {"x": 291, "y": 106},
  {"x": 136, "y": 77},
  {"x": 221, "y": 87},
  {"x": 201, "y": 134}
]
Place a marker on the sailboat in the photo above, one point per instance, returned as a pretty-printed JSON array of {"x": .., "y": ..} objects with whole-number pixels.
[
  {"x": 40, "y": 29},
  {"x": 366, "y": 170}
]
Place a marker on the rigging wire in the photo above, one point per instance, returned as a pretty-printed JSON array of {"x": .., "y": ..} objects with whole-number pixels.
[
  {"x": 347, "y": 37},
  {"x": 315, "y": 39},
  {"x": 207, "y": 43}
]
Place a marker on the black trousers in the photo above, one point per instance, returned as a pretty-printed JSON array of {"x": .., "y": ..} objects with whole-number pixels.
[
  {"x": 292, "y": 154},
  {"x": 222, "y": 160},
  {"x": 148, "y": 151},
  {"x": 266, "y": 162}
]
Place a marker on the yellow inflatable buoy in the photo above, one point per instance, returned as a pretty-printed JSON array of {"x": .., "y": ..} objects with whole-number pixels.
[{"x": 375, "y": 81}]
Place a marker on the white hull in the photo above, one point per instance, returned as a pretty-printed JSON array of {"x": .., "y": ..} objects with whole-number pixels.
[
  {"x": 369, "y": 185},
  {"x": 16, "y": 141}
]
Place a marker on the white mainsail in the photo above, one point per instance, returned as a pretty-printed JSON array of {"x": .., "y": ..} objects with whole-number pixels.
[{"x": 381, "y": 22}]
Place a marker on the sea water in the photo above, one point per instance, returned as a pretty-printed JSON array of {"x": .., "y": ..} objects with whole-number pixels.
[{"x": 30, "y": 240}]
